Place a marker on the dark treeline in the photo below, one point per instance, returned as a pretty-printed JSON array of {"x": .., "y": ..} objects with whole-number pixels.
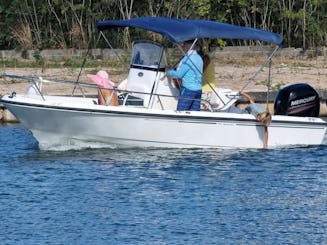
[{"x": 40, "y": 24}]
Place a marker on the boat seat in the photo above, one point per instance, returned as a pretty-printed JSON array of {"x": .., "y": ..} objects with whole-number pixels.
[{"x": 140, "y": 83}]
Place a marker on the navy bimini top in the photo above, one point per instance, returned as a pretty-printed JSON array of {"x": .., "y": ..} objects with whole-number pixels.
[{"x": 180, "y": 30}]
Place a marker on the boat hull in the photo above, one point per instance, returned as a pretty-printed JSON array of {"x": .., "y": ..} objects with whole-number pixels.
[{"x": 52, "y": 123}]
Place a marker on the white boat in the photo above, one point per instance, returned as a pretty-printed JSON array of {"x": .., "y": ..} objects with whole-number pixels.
[{"x": 146, "y": 115}]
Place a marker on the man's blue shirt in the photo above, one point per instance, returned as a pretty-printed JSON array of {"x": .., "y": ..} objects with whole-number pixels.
[{"x": 190, "y": 71}]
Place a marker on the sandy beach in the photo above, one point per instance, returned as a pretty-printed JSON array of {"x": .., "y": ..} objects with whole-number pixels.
[{"x": 232, "y": 74}]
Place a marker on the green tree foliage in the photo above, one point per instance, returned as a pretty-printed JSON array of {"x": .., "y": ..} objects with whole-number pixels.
[{"x": 38, "y": 24}]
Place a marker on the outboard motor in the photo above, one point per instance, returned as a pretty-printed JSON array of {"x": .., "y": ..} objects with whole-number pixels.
[{"x": 297, "y": 100}]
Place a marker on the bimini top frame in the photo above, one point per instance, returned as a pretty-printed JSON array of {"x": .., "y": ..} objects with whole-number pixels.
[{"x": 180, "y": 30}]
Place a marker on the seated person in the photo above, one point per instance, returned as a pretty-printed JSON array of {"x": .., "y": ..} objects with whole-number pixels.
[
  {"x": 106, "y": 94},
  {"x": 208, "y": 83}
]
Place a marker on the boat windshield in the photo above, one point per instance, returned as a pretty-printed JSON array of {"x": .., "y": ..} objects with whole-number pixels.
[{"x": 149, "y": 54}]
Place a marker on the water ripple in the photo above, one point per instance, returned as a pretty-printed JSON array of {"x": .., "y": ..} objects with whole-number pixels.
[{"x": 160, "y": 196}]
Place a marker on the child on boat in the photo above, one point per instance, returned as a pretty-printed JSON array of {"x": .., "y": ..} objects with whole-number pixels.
[{"x": 260, "y": 113}]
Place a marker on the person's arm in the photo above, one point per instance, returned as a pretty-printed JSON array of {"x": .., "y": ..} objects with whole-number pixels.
[
  {"x": 265, "y": 144},
  {"x": 248, "y": 97},
  {"x": 180, "y": 72}
]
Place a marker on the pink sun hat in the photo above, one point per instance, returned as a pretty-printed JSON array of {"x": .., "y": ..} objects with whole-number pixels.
[{"x": 101, "y": 79}]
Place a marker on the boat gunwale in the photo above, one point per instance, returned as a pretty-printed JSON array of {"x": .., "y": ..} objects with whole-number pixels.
[{"x": 173, "y": 114}]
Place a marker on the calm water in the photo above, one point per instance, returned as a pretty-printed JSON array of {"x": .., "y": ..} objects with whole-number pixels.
[{"x": 160, "y": 196}]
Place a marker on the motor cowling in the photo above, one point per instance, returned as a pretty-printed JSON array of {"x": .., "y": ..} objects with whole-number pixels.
[{"x": 298, "y": 99}]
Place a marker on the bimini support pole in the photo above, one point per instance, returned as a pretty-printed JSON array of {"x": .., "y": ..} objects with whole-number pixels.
[
  {"x": 77, "y": 83},
  {"x": 268, "y": 84},
  {"x": 252, "y": 79},
  {"x": 268, "y": 60},
  {"x": 110, "y": 46}
]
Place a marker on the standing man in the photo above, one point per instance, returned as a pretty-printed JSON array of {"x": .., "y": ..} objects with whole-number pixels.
[{"x": 190, "y": 71}]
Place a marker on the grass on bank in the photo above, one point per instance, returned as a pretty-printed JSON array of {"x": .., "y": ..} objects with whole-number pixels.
[
  {"x": 67, "y": 63},
  {"x": 91, "y": 63}
]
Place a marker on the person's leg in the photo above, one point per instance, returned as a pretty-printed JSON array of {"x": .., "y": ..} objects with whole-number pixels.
[
  {"x": 205, "y": 103},
  {"x": 196, "y": 101},
  {"x": 185, "y": 100}
]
